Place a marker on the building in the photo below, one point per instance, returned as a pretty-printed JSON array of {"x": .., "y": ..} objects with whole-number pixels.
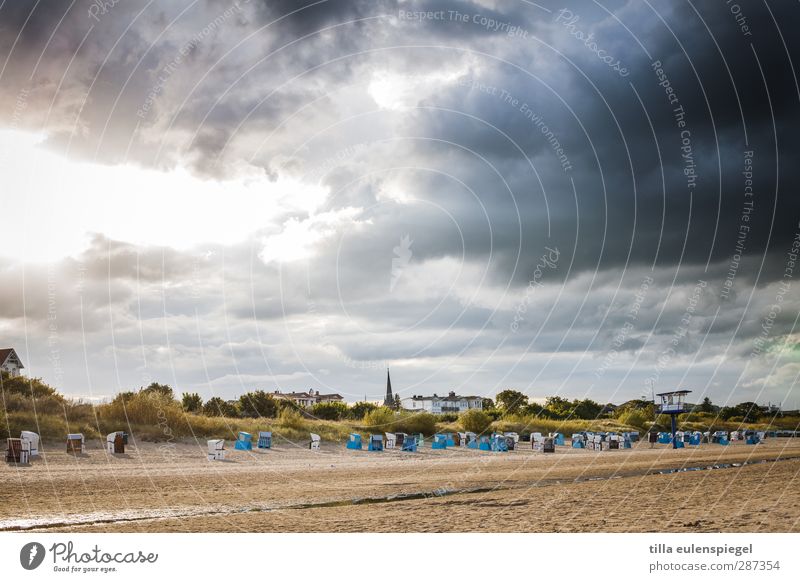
[
  {"x": 10, "y": 362},
  {"x": 307, "y": 399},
  {"x": 452, "y": 403}
]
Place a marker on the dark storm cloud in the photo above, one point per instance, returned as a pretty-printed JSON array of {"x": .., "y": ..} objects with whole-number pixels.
[{"x": 455, "y": 162}]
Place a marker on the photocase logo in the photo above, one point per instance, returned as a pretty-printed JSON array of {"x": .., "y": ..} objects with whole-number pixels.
[
  {"x": 31, "y": 555},
  {"x": 402, "y": 254}
]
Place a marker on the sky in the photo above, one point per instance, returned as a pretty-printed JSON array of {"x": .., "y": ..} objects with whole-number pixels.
[{"x": 575, "y": 198}]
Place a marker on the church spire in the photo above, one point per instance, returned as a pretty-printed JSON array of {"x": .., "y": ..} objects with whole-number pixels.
[{"x": 389, "y": 399}]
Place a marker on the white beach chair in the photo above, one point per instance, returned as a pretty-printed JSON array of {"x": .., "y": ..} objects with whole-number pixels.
[
  {"x": 314, "y": 444},
  {"x": 33, "y": 439},
  {"x": 216, "y": 450},
  {"x": 391, "y": 440}
]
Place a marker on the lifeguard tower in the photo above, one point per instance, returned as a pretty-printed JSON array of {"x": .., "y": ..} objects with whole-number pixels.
[{"x": 673, "y": 403}]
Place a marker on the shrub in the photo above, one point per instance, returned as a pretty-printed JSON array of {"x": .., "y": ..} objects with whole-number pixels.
[
  {"x": 360, "y": 409},
  {"x": 416, "y": 422},
  {"x": 448, "y": 417},
  {"x": 291, "y": 418},
  {"x": 636, "y": 418},
  {"x": 330, "y": 410},
  {"x": 381, "y": 417},
  {"x": 475, "y": 421}
]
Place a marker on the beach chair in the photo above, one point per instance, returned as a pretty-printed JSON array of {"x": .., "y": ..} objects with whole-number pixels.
[
  {"x": 420, "y": 439},
  {"x": 115, "y": 444},
  {"x": 244, "y": 441},
  {"x": 17, "y": 451},
  {"x": 216, "y": 449},
  {"x": 484, "y": 443},
  {"x": 409, "y": 445},
  {"x": 634, "y": 436},
  {"x": 400, "y": 438},
  {"x": 679, "y": 444},
  {"x": 375, "y": 442},
  {"x": 499, "y": 443},
  {"x": 695, "y": 438},
  {"x": 752, "y": 440},
  {"x": 471, "y": 440},
  {"x": 264, "y": 440},
  {"x": 549, "y": 445},
  {"x": 462, "y": 439},
  {"x": 558, "y": 438},
  {"x": 511, "y": 444},
  {"x": 354, "y": 442},
  {"x": 450, "y": 440},
  {"x": 613, "y": 442},
  {"x": 664, "y": 438},
  {"x": 439, "y": 441},
  {"x": 626, "y": 440},
  {"x": 33, "y": 439},
  {"x": 598, "y": 442},
  {"x": 577, "y": 441},
  {"x": 313, "y": 444},
  {"x": 75, "y": 444},
  {"x": 391, "y": 440}
]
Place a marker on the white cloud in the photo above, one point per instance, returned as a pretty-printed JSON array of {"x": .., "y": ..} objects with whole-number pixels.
[{"x": 56, "y": 204}]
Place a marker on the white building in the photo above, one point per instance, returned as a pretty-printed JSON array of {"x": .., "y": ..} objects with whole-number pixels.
[
  {"x": 10, "y": 362},
  {"x": 452, "y": 403}
]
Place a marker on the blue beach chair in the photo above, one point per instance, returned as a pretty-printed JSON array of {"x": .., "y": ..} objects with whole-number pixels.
[
  {"x": 354, "y": 442},
  {"x": 244, "y": 441}
]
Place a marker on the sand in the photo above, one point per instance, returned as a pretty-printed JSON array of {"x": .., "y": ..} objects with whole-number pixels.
[{"x": 166, "y": 488}]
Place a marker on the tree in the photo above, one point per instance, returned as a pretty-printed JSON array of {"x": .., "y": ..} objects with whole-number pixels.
[
  {"x": 157, "y": 389},
  {"x": 749, "y": 411},
  {"x": 727, "y": 412},
  {"x": 487, "y": 404},
  {"x": 359, "y": 409},
  {"x": 475, "y": 421},
  {"x": 558, "y": 406},
  {"x": 511, "y": 400},
  {"x": 586, "y": 409},
  {"x": 397, "y": 403},
  {"x": 191, "y": 402},
  {"x": 706, "y": 405},
  {"x": 330, "y": 410},
  {"x": 216, "y": 406},
  {"x": 258, "y": 404}
]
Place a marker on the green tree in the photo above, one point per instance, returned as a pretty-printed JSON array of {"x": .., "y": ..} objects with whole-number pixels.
[
  {"x": 488, "y": 404},
  {"x": 558, "y": 406},
  {"x": 258, "y": 404},
  {"x": 475, "y": 421},
  {"x": 360, "y": 409},
  {"x": 511, "y": 401},
  {"x": 586, "y": 409},
  {"x": 191, "y": 402},
  {"x": 706, "y": 405},
  {"x": 216, "y": 406},
  {"x": 749, "y": 411},
  {"x": 397, "y": 403}
]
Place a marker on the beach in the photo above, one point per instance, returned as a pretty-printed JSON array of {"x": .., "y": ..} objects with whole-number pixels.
[{"x": 172, "y": 487}]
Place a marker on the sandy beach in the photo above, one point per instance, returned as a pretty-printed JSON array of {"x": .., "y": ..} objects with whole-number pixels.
[{"x": 166, "y": 488}]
